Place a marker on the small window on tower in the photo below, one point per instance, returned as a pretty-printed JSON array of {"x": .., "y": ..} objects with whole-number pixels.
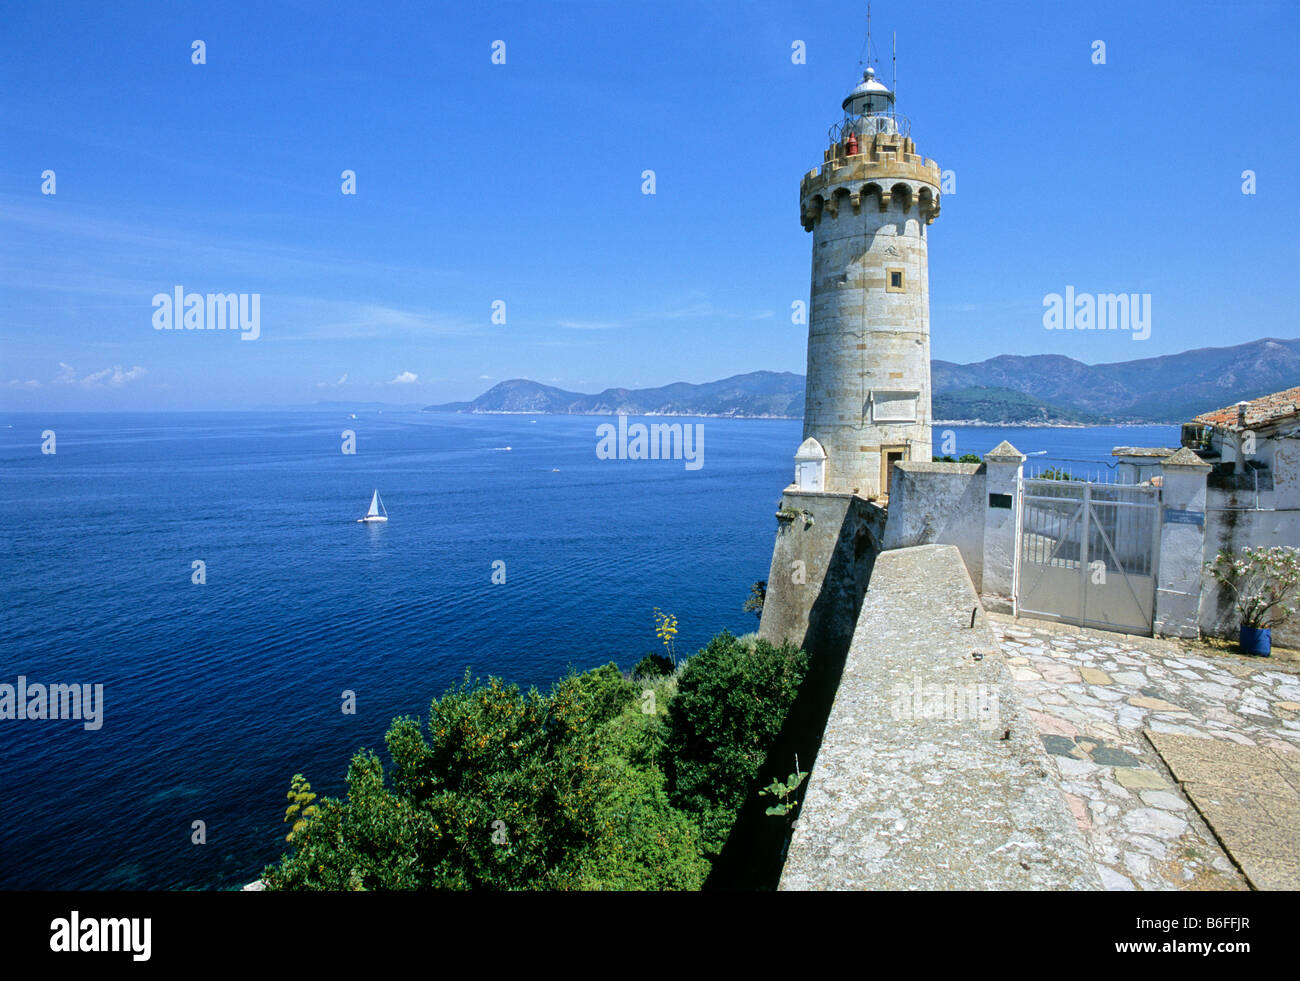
[{"x": 896, "y": 282}]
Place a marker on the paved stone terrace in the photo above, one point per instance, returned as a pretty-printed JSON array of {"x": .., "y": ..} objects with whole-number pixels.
[{"x": 1094, "y": 696}]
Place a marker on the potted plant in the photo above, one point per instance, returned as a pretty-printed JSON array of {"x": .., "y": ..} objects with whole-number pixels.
[{"x": 1265, "y": 580}]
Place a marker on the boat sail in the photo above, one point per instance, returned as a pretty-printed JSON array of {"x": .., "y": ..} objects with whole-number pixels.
[{"x": 376, "y": 506}]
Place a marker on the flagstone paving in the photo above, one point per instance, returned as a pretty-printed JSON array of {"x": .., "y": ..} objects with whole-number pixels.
[
  {"x": 1249, "y": 795},
  {"x": 1100, "y": 701}
]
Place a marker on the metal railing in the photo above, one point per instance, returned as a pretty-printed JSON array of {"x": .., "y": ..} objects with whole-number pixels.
[{"x": 869, "y": 124}]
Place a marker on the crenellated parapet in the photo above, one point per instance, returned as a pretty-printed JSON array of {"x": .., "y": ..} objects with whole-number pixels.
[{"x": 888, "y": 172}]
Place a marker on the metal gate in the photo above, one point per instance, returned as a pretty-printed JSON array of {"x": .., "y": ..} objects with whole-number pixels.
[{"x": 1086, "y": 553}]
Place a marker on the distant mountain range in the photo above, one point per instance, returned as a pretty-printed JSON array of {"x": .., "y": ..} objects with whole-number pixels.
[
  {"x": 1040, "y": 388},
  {"x": 772, "y": 394}
]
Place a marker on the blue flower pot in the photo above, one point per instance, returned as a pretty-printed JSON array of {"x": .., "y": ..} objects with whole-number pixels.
[{"x": 1257, "y": 640}]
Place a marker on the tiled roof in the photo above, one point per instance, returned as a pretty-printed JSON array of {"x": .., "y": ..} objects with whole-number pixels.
[{"x": 1259, "y": 412}]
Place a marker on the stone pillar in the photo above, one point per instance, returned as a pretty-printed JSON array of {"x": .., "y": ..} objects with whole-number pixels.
[
  {"x": 1003, "y": 467},
  {"x": 1181, "y": 573}
]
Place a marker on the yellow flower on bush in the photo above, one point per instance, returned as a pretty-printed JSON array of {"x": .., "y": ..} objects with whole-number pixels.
[{"x": 666, "y": 631}]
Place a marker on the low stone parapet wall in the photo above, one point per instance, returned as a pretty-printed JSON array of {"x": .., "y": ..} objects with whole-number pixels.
[{"x": 930, "y": 775}]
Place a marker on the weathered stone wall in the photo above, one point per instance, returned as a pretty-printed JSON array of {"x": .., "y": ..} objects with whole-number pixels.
[
  {"x": 820, "y": 570},
  {"x": 939, "y": 504},
  {"x": 930, "y": 773}
]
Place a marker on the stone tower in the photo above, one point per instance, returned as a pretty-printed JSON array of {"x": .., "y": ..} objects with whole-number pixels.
[{"x": 868, "y": 397}]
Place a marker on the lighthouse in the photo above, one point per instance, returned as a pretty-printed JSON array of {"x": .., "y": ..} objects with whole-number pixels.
[{"x": 869, "y": 208}]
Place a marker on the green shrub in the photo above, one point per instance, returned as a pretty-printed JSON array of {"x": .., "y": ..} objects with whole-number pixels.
[
  {"x": 647, "y": 843},
  {"x": 364, "y": 842},
  {"x": 653, "y": 666},
  {"x": 604, "y": 783},
  {"x": 605, "y": 692},
  {"x": 496, "y": 794},
  {"x": 1057, "y": 473},
  {"x": 505, "y": 790},
  {"x": 731, "y": 703}
]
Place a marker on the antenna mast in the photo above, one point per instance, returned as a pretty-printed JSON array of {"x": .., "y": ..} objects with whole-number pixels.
[
  {"x": 895, "y": 64},
  {"x": 866, "y": 47}
]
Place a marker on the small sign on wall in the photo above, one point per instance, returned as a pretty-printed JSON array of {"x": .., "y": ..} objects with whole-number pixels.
[
  {"x": 1173, "y": 516},
  {"x": 892, "y": 406},
  {"x": 1002, "y": 501}
]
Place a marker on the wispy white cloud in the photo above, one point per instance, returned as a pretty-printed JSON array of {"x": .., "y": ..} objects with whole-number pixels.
[
  {"x": 96, "y": 232},
  {"x": 114, "y": 376},
  {"x": 405, "y": 378},
  {"x": 311, "y": 318}
]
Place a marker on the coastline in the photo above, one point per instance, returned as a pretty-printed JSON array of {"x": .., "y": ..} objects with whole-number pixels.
[{"x": 1001, "y": 424}]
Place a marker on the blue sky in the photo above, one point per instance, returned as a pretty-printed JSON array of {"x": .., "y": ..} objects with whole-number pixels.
[{"x": 522, "y": 183}]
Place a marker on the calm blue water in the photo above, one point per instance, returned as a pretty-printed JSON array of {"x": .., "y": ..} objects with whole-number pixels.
[{"x": 215, "y": 695}]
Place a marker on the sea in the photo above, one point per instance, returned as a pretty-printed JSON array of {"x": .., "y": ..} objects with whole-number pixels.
[{"x": 215, "y": 693}]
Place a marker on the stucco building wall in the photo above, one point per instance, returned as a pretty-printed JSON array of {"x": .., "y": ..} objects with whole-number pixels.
[{"x": 939, "y": 504}]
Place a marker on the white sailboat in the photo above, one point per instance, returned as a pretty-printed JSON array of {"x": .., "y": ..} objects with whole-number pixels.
[{"x": 376, "y": 506}]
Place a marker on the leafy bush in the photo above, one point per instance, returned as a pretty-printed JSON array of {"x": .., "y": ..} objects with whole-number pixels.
[
  {"x": 604, "y": 691},
  {"x": 731, "y": 703},
  {"x": 362, "y": 843},
  {"x": 496, "y": 795},
  {"x": 648, "y": 843},
  {"x": 506, "y": 790},
  {"x": 1264, "y": 579},
  {"x": 604, "y": 783},
  {"x": 653, "y": 666},
  {"x": 1057, "y": 473}
]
